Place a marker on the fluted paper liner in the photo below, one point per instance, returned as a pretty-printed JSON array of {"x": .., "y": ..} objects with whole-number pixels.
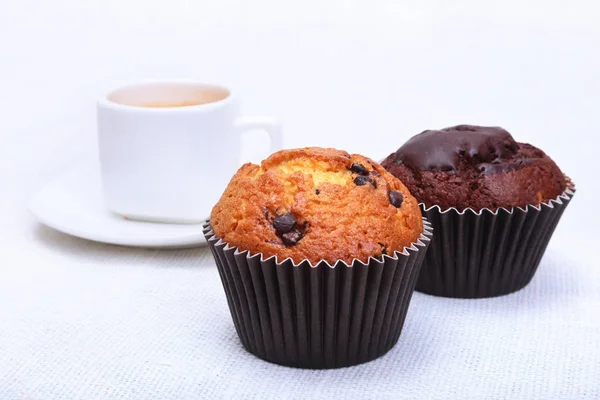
[
  {"x": 318, "y": 316},
  {"x": 486, "y": 253}
]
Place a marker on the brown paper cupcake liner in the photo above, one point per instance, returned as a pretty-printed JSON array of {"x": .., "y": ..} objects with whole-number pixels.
[
  {"x": 318, "y": 316},
  {"x": 487, "y": 253}
]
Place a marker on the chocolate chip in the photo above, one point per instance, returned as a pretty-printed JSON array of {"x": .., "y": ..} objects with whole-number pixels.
[
  {"x": 288, "y": 230},
  {"x": 317, "y": 192},
  {"x": 362, "y": 180},
  {"x": 284, "y": 223},
  {"x": 395, "y": 198},
  {"x": 292, "y": 237},
  {"x": 359, "y": 169},
  {"x": 383, "y": 248},
  {"x": 375, "y": 173}
]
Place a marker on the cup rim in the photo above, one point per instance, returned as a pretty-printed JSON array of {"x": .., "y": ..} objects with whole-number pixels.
[{"x": 105, "y": 101}]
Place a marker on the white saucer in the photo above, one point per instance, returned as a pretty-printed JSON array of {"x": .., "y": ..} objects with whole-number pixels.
[{"x": 73, "y": 204}]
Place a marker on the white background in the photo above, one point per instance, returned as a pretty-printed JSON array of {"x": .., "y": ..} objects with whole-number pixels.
[{"x": 84, "y": 320}]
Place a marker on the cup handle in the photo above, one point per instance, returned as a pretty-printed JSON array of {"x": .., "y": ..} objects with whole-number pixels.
[{"x": 269, "y": 125}]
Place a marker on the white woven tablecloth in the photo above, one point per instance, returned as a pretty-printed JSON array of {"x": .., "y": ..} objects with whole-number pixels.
[{"x": 83, "y": 320}]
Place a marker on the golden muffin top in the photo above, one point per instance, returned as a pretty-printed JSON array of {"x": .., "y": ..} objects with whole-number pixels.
[{"x": 317, "y": 204}]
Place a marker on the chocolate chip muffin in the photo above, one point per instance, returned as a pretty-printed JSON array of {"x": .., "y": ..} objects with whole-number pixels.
[
  {"x": 319, "y": 252},
  {"x": 475, "y": 167},
  {"x": 317, "y": 204}
]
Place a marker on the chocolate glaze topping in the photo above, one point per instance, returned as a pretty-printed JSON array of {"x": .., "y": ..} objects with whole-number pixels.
[
  {"x": 475, "y": 167},
  {"x": 490, "y": 149}
]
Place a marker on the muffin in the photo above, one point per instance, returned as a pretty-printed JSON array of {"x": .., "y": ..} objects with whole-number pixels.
[
  {"x": 493, "y": 202},
  {"x": 319, "y": 252},
  {"x": 317, "y": 204},
  {"x": 475, "y": 167}
]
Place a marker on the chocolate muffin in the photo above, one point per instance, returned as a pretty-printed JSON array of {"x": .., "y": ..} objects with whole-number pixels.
[
  {"x": 475, "y": 167},
  {"x": 319, "y": 252},
  {"x": 317, "y": 204},
  {"x": 493, "y": 203}
]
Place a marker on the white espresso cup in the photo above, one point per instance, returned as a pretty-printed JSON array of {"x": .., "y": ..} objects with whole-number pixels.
[{"x": 168, "y": 149}]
